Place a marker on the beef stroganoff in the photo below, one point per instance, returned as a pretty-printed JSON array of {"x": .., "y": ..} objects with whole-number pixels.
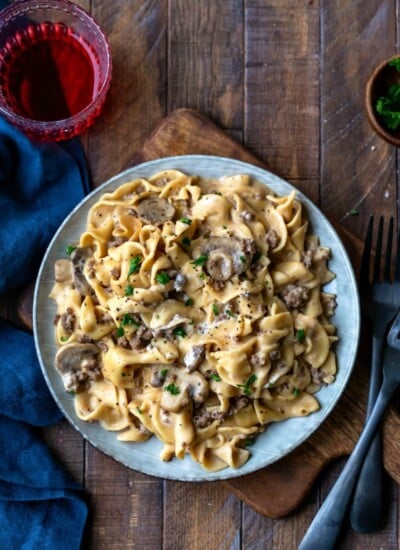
[{"x": 193, "y": 309}]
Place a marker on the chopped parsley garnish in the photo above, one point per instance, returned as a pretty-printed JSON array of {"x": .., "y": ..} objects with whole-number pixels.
[
  {"x": 173, "y": 389},
  {"x": 300, "y": 335},
  {"x": 134, "y": 265},
  {"x": 120, "y": 331},
  {"x": 188, "y": 302},
  {"x": 179, "y": 331},
  {"x": 201, "y": 260},
  {"x": 69, "y": 249},
  {"x": 64, "y": 338},
  {"x": 129, "y": 290},
  {"x": 243, "y": 259},
  {"x": 230, "y": 313},
  {"x": 296, "y": 392},
  {"x": 138, "y": 410},
  {"x": 202, "y": 275},
  {"x": 163, "y": 372},
  {"x": 388, "y": 106},
  {"x": 249, "y": 441},
  {"x": 215, "y": 309},
  {"x": 395, "y": 63},
  {"x": 127, "y": 319},
  {"x": 354, "y": 212},
  {"x": 186, "y": 220},
  {"x": 215, "y": 377},
  {"x": 162, "y": 277},
  {"x": 249, "y": 382}
]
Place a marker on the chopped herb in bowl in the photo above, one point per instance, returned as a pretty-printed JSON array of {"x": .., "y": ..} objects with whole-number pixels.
[{"x": 382, "y": 100}]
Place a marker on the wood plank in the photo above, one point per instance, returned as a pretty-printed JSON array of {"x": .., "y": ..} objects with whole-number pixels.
[
  {"x": 125, "y": 506},
  {"x": 358, "y": 167},
  {"x": 136, "y": 102},
  {"x": 205, "y": 59},
  {"x": 199, "y": 516},
  {"x": 282, "y": 85}
]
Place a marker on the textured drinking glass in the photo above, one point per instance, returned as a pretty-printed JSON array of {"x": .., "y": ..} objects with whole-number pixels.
[{"x": 55, "y": 68}]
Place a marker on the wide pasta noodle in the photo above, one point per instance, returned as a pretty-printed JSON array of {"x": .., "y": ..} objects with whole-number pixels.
[{"x": 193, "y": 310}]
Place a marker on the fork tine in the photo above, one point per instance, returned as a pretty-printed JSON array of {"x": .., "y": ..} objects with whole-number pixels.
[
  {"x": 366, "y": 257},
  {"x": 388, "y": 253},
  {"x": 394, "y": 332},
  {"x": 378, "y": 250}
]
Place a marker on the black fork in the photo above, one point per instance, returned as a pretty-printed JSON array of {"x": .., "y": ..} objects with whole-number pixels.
[
  {"x": 380, "y": 300},
  {"x": 325, "y": 528}
]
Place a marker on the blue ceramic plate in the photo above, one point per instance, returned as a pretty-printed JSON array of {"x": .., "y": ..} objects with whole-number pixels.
[{"x": 278, "y": 439}]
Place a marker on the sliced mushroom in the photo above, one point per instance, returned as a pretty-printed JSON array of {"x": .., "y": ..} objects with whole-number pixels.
[
  {"x": 78, "y": 364},
  {"x": 219, "y": 265},
  {"x": 155, "y": 210},
  {"x": 194, "y": 357},
  {"x": 158, "y": 375},
  {"x": 181, "y": 387},
  {"x": 79, "y": 257},
  {"x": 225, "y": 256}
]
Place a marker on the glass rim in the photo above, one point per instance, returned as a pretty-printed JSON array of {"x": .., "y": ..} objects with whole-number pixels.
[{"x": 22, "y": 7}]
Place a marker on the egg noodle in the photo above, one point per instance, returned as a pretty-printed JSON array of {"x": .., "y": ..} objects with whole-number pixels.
[{"x": 192, "y": 309}]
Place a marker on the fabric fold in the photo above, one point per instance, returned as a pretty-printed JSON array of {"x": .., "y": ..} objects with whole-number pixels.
[{"x": 41, "y": 506}]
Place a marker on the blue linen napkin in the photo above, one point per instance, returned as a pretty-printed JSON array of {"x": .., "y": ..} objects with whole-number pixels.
[{"x": 40, "y": 505}]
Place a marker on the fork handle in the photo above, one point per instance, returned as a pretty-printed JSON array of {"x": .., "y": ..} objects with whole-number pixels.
[
  {"x": 367, "y": 509},
  {"x": 327, "y": 523}
]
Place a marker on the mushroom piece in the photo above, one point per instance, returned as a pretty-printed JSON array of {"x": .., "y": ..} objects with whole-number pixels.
[
  {"x": 78, "y": 363},
  {"x": 224, "y": 256},
  {"x": 155, "y": 210},
  {"x": 181, "y": 387},
  {"x": 194, "y": 357},
  {"x": 79, "y": 257}
]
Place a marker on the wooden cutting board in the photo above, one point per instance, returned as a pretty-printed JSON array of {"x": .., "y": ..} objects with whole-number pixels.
[{"x": 277, "y": 490}]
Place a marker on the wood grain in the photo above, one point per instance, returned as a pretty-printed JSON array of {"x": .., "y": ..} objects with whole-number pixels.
[{"x": 286, "y": 79}]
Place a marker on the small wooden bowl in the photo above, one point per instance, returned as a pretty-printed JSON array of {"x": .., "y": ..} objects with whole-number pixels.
[{"x": 378, "y": 83}]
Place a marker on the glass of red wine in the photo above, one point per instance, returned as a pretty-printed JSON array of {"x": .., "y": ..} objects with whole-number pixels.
[{"x": 55, "y": 68}]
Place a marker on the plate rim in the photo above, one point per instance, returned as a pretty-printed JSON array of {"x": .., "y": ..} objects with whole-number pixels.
[{"x": 172, "y": 163}]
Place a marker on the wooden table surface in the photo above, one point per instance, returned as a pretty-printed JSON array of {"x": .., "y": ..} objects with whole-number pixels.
[{"x": 286, "y": 79}]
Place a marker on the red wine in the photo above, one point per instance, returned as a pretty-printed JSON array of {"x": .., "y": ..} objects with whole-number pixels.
[{"x": 48, "y": 71}]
